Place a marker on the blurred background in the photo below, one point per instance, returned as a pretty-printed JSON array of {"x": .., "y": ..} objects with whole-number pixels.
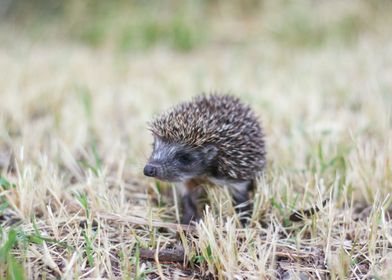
[
  {"x": 88, "y": 75},
  {"x": 79, "y": 81}
]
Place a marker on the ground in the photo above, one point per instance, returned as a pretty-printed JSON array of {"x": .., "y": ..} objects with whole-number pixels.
[{"x": 79, "y": 84}]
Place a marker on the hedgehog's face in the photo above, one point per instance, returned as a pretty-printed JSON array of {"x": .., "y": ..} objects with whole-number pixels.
[{"x": 175, "y": 162}]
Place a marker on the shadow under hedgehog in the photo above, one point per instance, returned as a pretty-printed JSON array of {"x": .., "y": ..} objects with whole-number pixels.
[{"x": 214, "y": 138}]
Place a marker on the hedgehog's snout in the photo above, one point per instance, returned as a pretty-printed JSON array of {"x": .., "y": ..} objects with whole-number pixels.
[{"x": 150, "y": 170}]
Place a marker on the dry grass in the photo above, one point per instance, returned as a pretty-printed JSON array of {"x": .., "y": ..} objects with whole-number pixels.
[{"x": 73, "y": 142}]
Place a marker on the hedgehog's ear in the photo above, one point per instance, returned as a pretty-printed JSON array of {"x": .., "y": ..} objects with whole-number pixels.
[{"x": 210, "y": 151}]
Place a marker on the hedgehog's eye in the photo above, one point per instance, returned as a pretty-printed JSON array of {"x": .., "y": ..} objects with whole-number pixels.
[{"x": 184, "y": 158}]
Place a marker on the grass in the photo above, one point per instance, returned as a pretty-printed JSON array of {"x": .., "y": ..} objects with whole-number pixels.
[{"x": 73, "y": 142}]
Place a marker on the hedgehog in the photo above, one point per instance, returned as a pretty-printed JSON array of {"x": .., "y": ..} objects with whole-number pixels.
[{"x": 213, "y": 138}]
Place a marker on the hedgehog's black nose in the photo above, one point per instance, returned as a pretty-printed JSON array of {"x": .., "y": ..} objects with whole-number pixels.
[{"x": 150, "y": 170}]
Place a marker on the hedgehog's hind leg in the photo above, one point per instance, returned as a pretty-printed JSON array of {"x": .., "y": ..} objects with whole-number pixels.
[{"x": 240, "y": 194}]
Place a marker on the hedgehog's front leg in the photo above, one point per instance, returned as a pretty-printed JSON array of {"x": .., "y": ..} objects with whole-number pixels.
[
  {"x": 240, "y": 193},
  {"x": 189, "y": 196}
]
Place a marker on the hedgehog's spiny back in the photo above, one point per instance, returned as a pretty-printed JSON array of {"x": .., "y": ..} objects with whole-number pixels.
[
  {"x": 221, "y": 120},
  {"x": 200, "y": 121}
]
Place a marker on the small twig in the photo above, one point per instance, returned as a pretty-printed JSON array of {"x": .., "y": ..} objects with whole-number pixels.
[
  {"x": 164, "y": 255},
  {"x": 178, "y": 254}
]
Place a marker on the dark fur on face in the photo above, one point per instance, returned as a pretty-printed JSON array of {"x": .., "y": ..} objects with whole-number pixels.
[{"x": 175, "y": 162}]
